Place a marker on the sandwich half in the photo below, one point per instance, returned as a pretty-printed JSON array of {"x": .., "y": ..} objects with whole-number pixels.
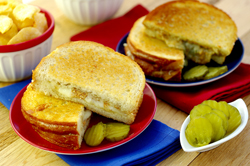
[
  {"x": 202, "y": 31},
  {"x": 60, "y": 122},
  {"x": 104, "y": 81},
  {"x": 153, "y": 55}
]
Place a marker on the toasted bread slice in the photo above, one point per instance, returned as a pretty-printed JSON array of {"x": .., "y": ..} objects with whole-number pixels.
[
  {"x": 104, "y": 81},
  {"x": 153, "y": 55},
  {"x": 203, "y": 31},
  {"x": 60, "y": 122}
]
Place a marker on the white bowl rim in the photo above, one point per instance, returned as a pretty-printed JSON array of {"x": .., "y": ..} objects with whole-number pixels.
[{"x": 240, "y": 105}]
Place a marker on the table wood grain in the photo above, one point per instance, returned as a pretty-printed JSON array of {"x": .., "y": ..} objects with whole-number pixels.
[{"x": 15, "y": 151}]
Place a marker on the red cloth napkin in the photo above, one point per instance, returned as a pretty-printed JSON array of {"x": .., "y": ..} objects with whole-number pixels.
[
  {"x": 229, "y": 88},
  {"x": 109, "y": 33}
]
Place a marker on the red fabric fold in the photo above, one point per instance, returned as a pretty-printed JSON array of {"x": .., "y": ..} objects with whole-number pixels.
[
  {"x": 229, "y": 88},
  {"x": 109, "y": 33}
]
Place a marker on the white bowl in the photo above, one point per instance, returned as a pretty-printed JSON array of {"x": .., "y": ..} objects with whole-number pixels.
[
  {"x": 89, "y": 12},
  {"x": 240, "y": 105},
  {"x": 18, "y": 60}
]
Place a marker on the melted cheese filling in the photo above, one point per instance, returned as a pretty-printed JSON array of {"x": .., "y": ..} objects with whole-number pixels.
[
  {"x": 192, "y": 51},
  {"x": 83, "y": 97}
]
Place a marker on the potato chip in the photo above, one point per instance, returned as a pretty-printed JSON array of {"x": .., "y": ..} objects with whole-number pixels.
[
  {"x": 23, "y": 12},
  {"x": 7, "y": 35},
  {"x": 12, "y": 32},
  {"x": 22, "y": 24},
  {"x": 3, "y": 2},
  {"x": 25, "y": 34},
  {"x": 5, "y": 9},
  {"x": 3, "y": 40},
  {"x": 5, "y": 23},
  {"x": 40, "y": 22},
  {"x": 14, "y": 3}
]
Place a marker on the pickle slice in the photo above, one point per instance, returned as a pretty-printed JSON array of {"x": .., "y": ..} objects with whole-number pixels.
[
  {"x": 95, "y": 135},
  {"x": 116, "y": 131},
  {"x": 222, "y": 106},
  {"x": 211, "y": 103},
  {"x": 215, "y": 71},
  {"x": 200, "y": 110},
  {"x": 196, "y": 73},
  {"x": 217, "y": 124},
  {"x": 223, "y": 116},
  {"x": 199, "y": 132},
  {"x": 232, "y": 114},
  {"x": 234, "y": 120}
]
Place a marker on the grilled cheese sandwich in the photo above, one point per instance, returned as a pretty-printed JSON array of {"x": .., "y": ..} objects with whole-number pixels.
[
  {"x": 202, "y": 31},
  {"x": 104, "y": 81}
]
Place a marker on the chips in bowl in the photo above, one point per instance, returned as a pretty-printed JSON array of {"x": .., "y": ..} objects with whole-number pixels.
[
  {"x": 20, "y": 22},
  {"x": 25, "y": 34},
  {"x": 5, "y": 23},
  {"x": 32, "y": 42}
]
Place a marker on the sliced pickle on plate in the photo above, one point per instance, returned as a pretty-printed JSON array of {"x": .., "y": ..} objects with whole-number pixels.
[
  {"x": 195, "y": 73},
  {"x": 217, "y": 124},
  {"x": 199, "y": 132},
  {"x": 215, "y": 71},
  {"x": 95, "y": 135},
  {"x": 116, "y": 131},
  {"x": 200, "y": 110}
]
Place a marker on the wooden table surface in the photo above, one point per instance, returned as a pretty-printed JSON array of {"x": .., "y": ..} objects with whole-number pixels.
[{"x": 15, "y": 151}]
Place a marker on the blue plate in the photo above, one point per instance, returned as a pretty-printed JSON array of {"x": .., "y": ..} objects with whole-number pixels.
[{"x": 232, "y": 62}]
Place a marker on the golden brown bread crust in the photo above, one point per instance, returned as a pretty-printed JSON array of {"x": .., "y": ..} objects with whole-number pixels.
[
  {"x": 104, "y": 81},
  {"x": 153, "y": 55},
  {"x": 48, "y": 109},
  {"x": 67, "y": 141},
  {"x": 152, "y": 49},
  {"x": 50, "y": 126},
  {"x": 59, "y": 122},
  {"x": 63, "y": 140},
  {"x": 178, "y": 22},
  {"x": 153, "y": 69}
]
